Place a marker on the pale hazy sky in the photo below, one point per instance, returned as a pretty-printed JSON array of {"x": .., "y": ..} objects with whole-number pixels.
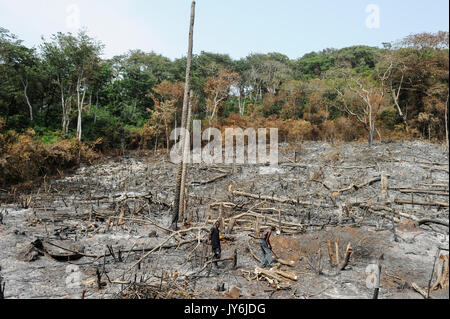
[{"x": 236, "y": 27}]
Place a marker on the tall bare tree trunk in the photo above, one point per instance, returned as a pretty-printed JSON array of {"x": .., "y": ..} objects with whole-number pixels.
[
  {"x": 371, "y": 128},
  {"x": 187, "y": 143},
  {"x": 80, "y": 102},
  {"x": 446, "y": 120},
  {"x": 25, "y": 93},
  {"x": 176, "y": 206},
  {"x": 96, "y": 106}
]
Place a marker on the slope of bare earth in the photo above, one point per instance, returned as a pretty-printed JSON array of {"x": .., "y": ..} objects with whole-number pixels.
[{"x": 102, "y": 232}]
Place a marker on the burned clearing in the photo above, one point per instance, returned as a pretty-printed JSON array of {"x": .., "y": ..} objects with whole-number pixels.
[{"x": 103, "y": 231}]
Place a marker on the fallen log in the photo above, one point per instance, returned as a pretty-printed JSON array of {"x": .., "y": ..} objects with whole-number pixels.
[
  {"x": 270, "y": 198},
  {"x": 268, "y": 274},
  {"x": 435, "y": 168},
  {"x": 272, "y": 221},
  {"x": 409, "y": 202},
  {"x": 433, "y": 221},
  {"x": 290, "y": 263},
  {"x": 212, "y": 180},
  {"x": 419, "y": 191},
  {"x": 285, "y": 274},
  {"x": 420, "y": 290},
  {"x": 358, "y": 186}
]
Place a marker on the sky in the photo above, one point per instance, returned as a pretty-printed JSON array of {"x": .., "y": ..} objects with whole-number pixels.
[{"x": 234, "y": 27}]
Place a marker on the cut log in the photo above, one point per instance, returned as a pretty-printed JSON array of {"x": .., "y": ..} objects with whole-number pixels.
[
  {"x": 442, "y": 273},
  {"x": 420, "y": 191},
  {"x": 257, "y": 234},
  {"x": 445, "y": 273},
  {"x": 435, "y": 168},
  {"x": 212, "y": 180},
  {"x": 356, "y": 187},
  {"x": 410, "y": 202},
  {"x": 287, "y": 275},
  {"x": 290, "y": 263},
  {"x": 221, "y": 220},
  {"x": 433, "y": 221},
  {"x": 438, "y": 272},
  {"x": 337, "y": 252},
  {"x": 347, "y": 256},
  {"x": 330, "y": 253},
  {"x": 268, "y": 274},
  {"x": 270, "y": 198},
  {"x": 419, "y": 290},
  {"x": 231, "y": 225}
]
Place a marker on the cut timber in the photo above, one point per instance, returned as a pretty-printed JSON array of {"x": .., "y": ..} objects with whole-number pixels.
[
  {"x": 330, "y": 253},
  {"x": 419, "y": 290},
  {"x": 410, "y": 202},
  {"x": 257, "y": 234},
  {"x": 433, "y": 221},
  {"x": 231, "y": 225},
  {"x": 211, "y": 180},
  {"x": 420, "y": 191},
  {"x": 356, "y": 187},
  {"x": 376, "y": 208},
  {"x": 269, "y": 275},
  {"x": 276, "y": 274},
  {"x": 290, "y": 263},
  {"x": 347, "y": 256},
  {"x": 270, "y": 198},
  {"x": 445, "y": 273},
  {"x": 285, "y": 274},
  {"x": 442, "y": 273},
  {"x": 337, "y": 252},
  {"x": 221, "y": 220},
  {"x": 435, "y": 168}
]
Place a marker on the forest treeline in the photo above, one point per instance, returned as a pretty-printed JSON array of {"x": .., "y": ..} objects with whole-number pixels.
[{"x": 63, "y": 92}]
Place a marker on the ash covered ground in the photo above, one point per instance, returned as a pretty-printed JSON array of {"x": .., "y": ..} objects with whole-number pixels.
[{"x": 102, "y": 232}]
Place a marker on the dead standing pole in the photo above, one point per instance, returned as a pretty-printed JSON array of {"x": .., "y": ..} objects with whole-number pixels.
[
  {"x": 178, "y": 186},
  {"x": 186, "y": 149}
]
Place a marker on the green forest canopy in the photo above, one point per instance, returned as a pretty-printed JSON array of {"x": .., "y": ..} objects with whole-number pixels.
[{"x": 403, "y": 86}]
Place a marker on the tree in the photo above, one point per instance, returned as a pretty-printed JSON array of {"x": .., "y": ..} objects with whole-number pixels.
[
  {"x": 392, "y": 72},
  {"x": 362, "y": 98},
  {"x": 171, "y": 96},
  {"x": 87, "y": 63},
  {"x": 217, "y": 89},
  {"x": 72, "y": 61},
  {"x": 99, "y": 82},
  {"x": 312, "y": 65},
  {"x": 293, "y": 93},
  {"x": 18, "y": 64}
]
